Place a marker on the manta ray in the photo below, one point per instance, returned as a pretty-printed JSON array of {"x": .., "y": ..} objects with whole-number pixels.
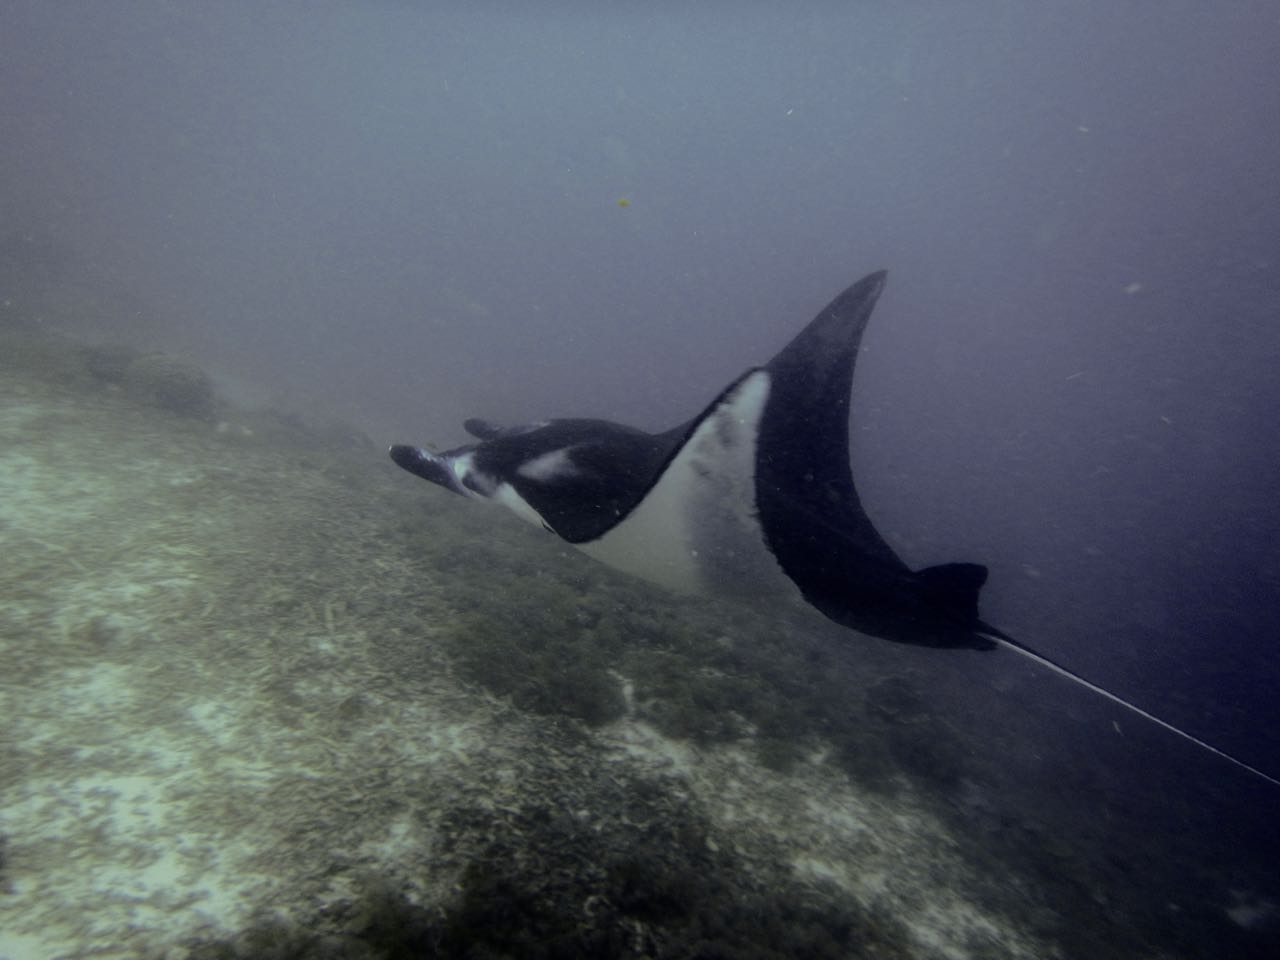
[{"x": 753, "y": 497}]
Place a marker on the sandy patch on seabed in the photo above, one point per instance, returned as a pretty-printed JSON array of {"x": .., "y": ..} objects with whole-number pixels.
[{"x": 205, "y": 719}]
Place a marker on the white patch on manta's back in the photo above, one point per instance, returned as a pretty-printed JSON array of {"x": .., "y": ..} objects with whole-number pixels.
[
  {"x": 461, "y": 467},
  {"x": 697, "y": 531},
  {"x": 548, "y": 466}
]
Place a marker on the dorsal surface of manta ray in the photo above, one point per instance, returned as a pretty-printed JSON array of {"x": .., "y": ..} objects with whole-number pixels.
[{"x": 754, "y": 497}]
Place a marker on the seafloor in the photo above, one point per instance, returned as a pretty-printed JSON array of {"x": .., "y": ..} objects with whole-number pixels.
[{"x": 263, "y": 695}]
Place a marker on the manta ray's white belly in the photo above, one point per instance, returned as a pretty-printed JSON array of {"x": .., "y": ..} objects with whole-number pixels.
[{"x": 697, "y": 530}]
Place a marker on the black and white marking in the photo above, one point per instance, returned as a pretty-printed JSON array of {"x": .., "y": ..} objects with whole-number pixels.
[{"x": 754, "y": 496}]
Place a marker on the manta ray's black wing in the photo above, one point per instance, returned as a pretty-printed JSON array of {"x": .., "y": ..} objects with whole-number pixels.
[
  {"x": 813, "y": 518},
  {"x": 482, "y": 429},
  {"x": 809, "y": 508},
  {"x": 803, "y": 471},
  {"x": 581, "y": 476},
  {"x": 606, "y": 472}
]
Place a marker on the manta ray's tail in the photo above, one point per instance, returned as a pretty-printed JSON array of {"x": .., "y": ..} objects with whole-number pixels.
[{"x": 1008, "y": 642}]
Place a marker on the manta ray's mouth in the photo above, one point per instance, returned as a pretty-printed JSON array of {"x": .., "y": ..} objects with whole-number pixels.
[{"x": 427, "y": 465}]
